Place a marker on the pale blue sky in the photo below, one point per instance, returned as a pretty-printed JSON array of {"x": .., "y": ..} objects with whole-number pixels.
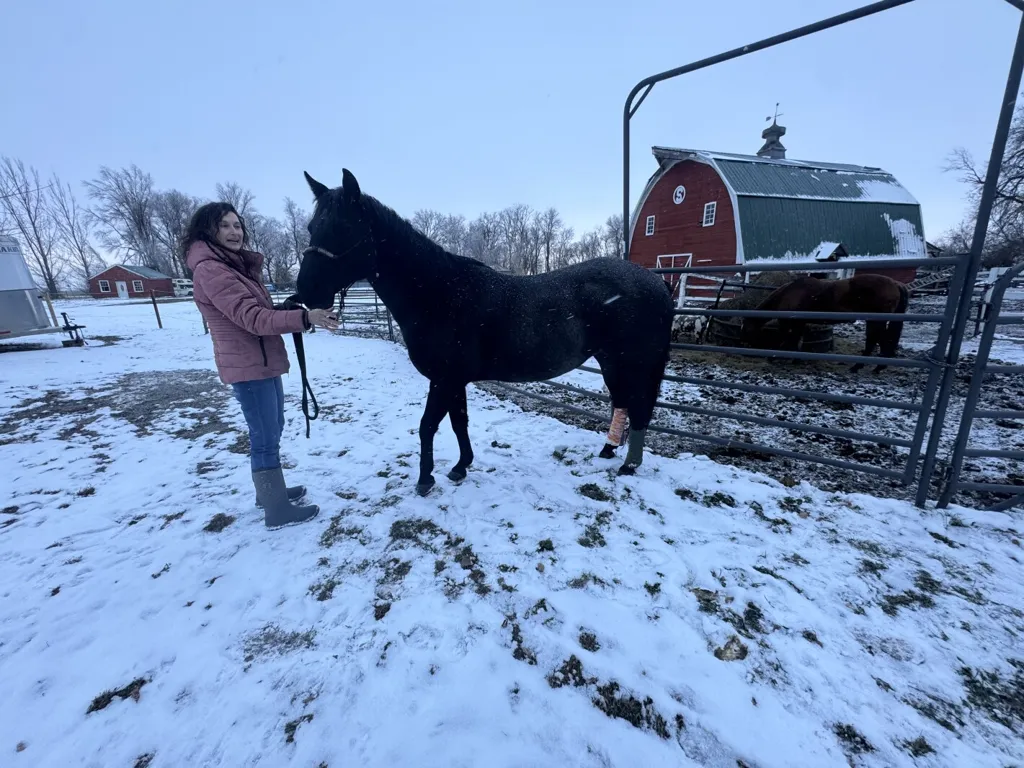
[{"x": 472, "y": 106}]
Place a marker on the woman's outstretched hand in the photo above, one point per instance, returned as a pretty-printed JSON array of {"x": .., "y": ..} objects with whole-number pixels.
[{"x": 323, "y": 318}]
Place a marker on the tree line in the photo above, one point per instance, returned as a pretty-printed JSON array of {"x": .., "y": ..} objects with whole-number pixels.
[{"x": 138, "y": 224}]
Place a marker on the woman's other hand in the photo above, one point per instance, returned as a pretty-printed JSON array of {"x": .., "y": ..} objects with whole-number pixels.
[{"x": 323, "y": 318}]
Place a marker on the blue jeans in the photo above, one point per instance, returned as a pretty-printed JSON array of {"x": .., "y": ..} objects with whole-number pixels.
[{"x": 262, "y": 402}]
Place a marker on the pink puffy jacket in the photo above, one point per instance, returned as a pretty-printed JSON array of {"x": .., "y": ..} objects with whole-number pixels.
[{"x": 245, "y": 328}]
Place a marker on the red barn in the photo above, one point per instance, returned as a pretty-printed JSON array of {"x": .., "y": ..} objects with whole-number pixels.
[
  {"x": 124, "y": 282},
  {"x": 705, "y": 208}
]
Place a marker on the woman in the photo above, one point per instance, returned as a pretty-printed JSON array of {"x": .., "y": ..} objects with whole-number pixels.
[{"x": 247, "y": 346}]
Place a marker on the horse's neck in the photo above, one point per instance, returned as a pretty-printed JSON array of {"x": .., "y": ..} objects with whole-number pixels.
[{"x": 407, "y": 279}]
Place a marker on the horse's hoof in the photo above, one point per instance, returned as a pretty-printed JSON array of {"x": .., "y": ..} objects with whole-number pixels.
[
  {"x": 457, "y": 475},
  {"x": 608, "y": 452},
  {"x": 627, "y": 469},
  {"x": 424, "y": 488}
]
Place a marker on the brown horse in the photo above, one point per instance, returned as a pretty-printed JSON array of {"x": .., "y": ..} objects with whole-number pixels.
[{"x": 860, "y": 293}]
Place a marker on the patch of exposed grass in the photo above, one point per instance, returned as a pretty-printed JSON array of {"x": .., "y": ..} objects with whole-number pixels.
[
  {"x": 545, "y": 545},
  {"x": 324, "y": 589},
  {"x": 944, "y": 539},
  {"x": 581, "y": 581},
  {"x": 271, "y": 640},
  {"x": 639, "y": 714},
  {"x": 1000, "y": 699},
  {"x": 594, "y": 491},
  {"x": 291, "y": 727},
  {"x": 892, "y": 603},
  {"x": 774, "y": 522},
  {"x": 131, "y": 691},
  {"x": 592, "y": 534},
  {"x": 718, "y": 499},
  {"x": 588, "y": 641},
  {"x": 570, "y": 673},
  {"x": 919, "y": 747},
  {"x": 852, "y": 740},
  {"x": 218, "y": 523}
]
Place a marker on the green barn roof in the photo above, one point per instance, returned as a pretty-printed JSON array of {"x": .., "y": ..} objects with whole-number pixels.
[{"x": 788, "y": 208}]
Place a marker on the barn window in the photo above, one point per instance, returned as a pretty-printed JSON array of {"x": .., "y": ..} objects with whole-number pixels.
[
  {"x": 104, "y": 286},
  {"x": 650, "y": 226},
  {"x": 709, "y": 214},
  {"x": 137, "y": 286}
]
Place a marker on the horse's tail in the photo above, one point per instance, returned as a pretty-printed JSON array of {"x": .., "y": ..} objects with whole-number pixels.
[{"x": 894, "y": 328}]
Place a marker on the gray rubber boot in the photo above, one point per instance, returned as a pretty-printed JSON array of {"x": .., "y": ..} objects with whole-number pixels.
[
  {"x": 294, "y": 494},
  {"x": 278, "y": 511}
]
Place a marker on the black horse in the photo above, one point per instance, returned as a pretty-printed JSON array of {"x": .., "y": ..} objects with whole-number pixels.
[{"x": 463, "y": 321}]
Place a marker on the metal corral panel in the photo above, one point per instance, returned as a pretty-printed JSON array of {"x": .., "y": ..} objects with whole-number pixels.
[
  {"x": 792, "y": 180},
  {"x": 21, "y": 309},
  {"x": 781, "y": 228}
]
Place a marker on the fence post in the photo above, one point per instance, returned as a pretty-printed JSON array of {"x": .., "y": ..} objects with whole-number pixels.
[{"x": 156, "y": 309}]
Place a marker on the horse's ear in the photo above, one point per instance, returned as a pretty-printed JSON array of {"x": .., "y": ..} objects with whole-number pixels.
[
  {"x": 349, "y": 185},
  {"x": 317, "y": 188}
]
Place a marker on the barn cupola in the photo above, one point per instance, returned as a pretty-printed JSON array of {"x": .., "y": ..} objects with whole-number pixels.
[{"x": 772, "y": 136}]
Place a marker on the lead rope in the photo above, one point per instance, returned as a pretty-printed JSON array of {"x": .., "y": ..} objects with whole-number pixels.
[{"x": 300, "y": 353}]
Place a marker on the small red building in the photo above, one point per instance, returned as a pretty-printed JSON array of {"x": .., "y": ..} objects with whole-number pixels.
[
  {"x": 122, "y": 282},
  {"x": 705, "y": 208}
]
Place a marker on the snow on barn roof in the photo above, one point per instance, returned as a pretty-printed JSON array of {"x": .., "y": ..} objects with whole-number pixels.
[{"x": 753, "y": 176}]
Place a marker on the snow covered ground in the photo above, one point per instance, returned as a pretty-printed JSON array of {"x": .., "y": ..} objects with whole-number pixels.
[{"x": 544, "y": 613}]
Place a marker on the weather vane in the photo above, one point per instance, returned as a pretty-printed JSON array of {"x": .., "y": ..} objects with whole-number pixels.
[{"x": 777, "y": 113}]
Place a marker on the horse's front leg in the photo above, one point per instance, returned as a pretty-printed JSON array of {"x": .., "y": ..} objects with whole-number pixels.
[
  {"x": 871, "y": 340},
  {"x": 458, "y": 412},
  {"x": 438, "y": 402}
]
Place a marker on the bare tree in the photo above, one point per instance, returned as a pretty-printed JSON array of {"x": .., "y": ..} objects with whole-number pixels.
[
  {"x": 125, "y": 211},
  {"x": 296, "y": 222},
  {"x": 172, "y": 213},
  {"x": 428, "y": 222},
  {"x": 1005, "y": 236},
  {"x": 565, "y": 247},
  {"x": 25, "y": 201},
  {"x": 483, "y": 240},
  {"x": 270, "y": 237},
  {"x": 240, "y": 197},
  {"x": 612, "y": 236},
  {"x": 74, "y": 230},
  {"x": 549, "y": 225},
  {"x": 514, "y": 230}
]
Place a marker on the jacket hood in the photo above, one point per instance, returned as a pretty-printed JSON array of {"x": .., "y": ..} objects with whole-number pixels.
[{"x": 201, "y": 251}]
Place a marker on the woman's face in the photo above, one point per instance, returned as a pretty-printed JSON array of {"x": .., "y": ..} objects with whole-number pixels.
[{"x": 229, "y": 232}]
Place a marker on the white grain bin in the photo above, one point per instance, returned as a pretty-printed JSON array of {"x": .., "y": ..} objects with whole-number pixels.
[{"x": 21, "y": 307}]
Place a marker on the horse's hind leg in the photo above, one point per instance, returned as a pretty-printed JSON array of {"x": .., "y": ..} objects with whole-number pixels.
[
  {"x": 613, "y": 380},
  {"x": 642, "y": 395},
  {"x": 458, "y": 413},
  {"x": 614, "y": 437},
  {"x": 438, "y": 403}
]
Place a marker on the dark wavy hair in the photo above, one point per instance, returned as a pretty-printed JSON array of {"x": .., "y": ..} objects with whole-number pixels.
[{"x": 205, "y": 222}]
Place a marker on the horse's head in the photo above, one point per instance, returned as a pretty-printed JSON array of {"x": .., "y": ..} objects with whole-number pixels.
[{"x": 341, "y": 247}]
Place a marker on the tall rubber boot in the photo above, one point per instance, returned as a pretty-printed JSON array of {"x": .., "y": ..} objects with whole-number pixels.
[{"x": 272, "y": 494}]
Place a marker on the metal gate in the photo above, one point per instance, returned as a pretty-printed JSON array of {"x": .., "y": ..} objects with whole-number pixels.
[{"x": 971, "y": 414}]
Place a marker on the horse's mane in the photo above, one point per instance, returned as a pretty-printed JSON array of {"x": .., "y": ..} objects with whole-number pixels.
[{"x": 399, "y": 233}]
